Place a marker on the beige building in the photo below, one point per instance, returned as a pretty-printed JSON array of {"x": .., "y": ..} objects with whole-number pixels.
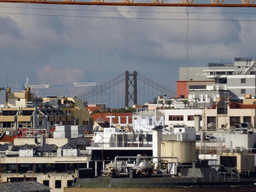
[
  {"x": 18, "y": 99},
  {"x": 56, "y": 168},
  {"x": 22, "y": 110},
  {"x": 215, "y": 120}
]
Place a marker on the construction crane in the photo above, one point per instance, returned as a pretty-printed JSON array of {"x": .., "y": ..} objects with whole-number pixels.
[
  {"x": 46, "y": 86},
  {"x": 153, "y": 3}
]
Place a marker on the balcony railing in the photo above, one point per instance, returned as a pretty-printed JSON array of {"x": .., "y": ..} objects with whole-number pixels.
[{"x": 113, "y": 144}]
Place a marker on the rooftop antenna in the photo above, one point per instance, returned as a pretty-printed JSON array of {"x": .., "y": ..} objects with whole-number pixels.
[{"x": 6, "y": 80}]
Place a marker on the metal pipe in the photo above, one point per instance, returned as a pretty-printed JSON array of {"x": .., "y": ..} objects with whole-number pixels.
[{"x": 143, "y": 157}]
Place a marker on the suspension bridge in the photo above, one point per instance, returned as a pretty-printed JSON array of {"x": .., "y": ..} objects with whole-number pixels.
[{"x": 127, "y": 89}]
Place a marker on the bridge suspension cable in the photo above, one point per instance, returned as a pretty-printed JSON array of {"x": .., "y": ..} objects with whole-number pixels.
[
  {"x": 103, "y": 87},
  {"x": 152, "y": 83}
]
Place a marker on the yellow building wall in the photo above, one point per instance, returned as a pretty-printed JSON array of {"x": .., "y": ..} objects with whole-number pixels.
[
  {"x": 7, "y": 118},
  {"x": 24, "y": 118}
]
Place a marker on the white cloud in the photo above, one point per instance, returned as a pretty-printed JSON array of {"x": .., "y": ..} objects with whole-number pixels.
[{"x": 49, "y": 74}]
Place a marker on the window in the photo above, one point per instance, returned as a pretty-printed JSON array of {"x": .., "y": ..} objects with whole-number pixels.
[
  {"x": 221, "y": 73},
  {"x": 228, "y": 161},
  {"x": 46, "y": 183},
  {"x": 69, "y": 183},
  {"x": 190, "y": 117},
  {"x": 57, "y": 184},
  {"x": 247, "y": 119},
  {"x": 197, "y": 86},
  {"x": 222, "y": 80},
  {"x": 243, "y": 80},
  {"x": 6, "y": 124},
  {"x": 211, "y": 123},
  {"x": 243, "y": 91},
  {"x": 175, "y": 117},
  {"x": 234, "y": 121}
]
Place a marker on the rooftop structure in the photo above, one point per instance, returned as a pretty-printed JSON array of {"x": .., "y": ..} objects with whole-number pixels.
[{"x": 26, "y": 186}]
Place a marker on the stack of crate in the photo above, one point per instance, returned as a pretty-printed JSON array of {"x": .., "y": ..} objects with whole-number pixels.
[{"x": 62, "y": 131}]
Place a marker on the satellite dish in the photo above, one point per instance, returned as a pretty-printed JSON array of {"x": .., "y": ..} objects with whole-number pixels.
[{"x": 211, "y": 126}]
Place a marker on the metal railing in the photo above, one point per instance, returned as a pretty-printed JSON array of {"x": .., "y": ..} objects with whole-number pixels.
[{"x": 122, "y": 144}]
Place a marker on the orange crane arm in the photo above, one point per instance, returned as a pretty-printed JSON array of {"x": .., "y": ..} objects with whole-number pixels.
[{"x": 154, "y": 3}]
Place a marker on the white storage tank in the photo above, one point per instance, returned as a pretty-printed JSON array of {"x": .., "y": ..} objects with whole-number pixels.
[{"x": 185, "y": 151}]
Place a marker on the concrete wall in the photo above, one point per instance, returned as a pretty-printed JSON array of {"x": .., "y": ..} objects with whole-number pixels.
[
  {"x": 25, "y": 160},
  {"x": 195, "y": 73},
  {"x": 23, "y": 141},
  {"x": 57, "y": 141},
  {"x": 182, "y": 89},
  {"x": 235, "y": 85},
  {"x": 235, "y": 140}
]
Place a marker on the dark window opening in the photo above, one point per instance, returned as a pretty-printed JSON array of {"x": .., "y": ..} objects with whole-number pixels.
[
  {"x": 223, "y": 81},
  {"x": 228, "y": 161},
  {"x": 247, "y": 119},
  {"x": 234, "y": 121},
  {"x": 46, "y": 183},
  {"x": 190, "y": 117},
  {"x": 175, "y": 117},
  {"x": 6, "y": 124},
  {"x": 243, "y": 80},
  {"x": 197, "y": 86},
  {"x": 57, "y": 184},
  {"x": 211, "y": 123},
  {"x": 69, "y": 183}
]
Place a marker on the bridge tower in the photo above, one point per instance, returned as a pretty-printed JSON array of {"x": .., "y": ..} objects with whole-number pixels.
[{"x": 130, "y": 88}]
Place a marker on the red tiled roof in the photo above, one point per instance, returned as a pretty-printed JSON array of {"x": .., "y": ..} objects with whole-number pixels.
[
  {"x": 138, "y": 106},
  {"x": 7, "y": 138},
  {"x": 239, "y": 106},
  {"x": 245, "y": 106},
  {"x": 92, "y": 108}
]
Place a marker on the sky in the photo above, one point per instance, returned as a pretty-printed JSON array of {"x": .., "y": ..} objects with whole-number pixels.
[{"x": 54, "y": 44}]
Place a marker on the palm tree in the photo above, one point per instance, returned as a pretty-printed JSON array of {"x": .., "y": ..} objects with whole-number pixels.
[{"x": 185, "y": 102}]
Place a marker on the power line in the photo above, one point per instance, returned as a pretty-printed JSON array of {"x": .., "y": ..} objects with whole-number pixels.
[{"x": 129, "y": 11}]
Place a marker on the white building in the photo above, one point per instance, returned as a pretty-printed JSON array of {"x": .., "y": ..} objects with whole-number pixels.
[
  {"x": 237, "y": 78},
  {"x": 182, "y": 116}
]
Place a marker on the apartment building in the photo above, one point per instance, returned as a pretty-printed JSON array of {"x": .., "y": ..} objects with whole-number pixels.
[{"x": 219, "y": 80}]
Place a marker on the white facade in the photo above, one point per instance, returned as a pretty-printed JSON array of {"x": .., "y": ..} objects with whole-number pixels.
[
  {"x": 70, "y": 152},
  {"x": 241, "y": 141},
  {"x": 181, "y": 116},
  {"x": 67, "y": 131},
  {"x": 26, "y": 153}
]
